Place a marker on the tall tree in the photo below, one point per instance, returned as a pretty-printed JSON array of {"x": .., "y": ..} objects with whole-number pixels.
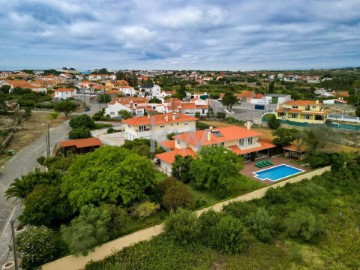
[
  {"x": 285, "y": 136},
  {"x": 272, "y": 87},
  {"x": 65, "y": 107},
  {"x": 109, "y": 174},
  {"x": 229, "y": 100},
  {"x": 181, "y": 92}
]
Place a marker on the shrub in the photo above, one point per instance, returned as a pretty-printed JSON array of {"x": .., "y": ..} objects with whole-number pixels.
[
  {"x": 276, "y": 196},
  {"x": 177, "y": 195},
  {"x": 170, "y": 136},
  {"x": 229, "y": 235},
  {"x": 272, "y": 122},
  {"x": 201, "y": 126},
  {"x": 145, "y": 209},
  {"x": 239, "y": 210},
  {"x": 110, "y": 130},
  {"x": 87, "y": 230},
  {"x": 262, "y": 225},
  {"x": 200, "y": 202},
  {"x": 220, "y": 115},
  {"x": 207, "y": 222},
  {"x": 182, "y": 226},
  {"x": 38, "y": 245},
  {"x": 41, "y": 160},
  {"x": 82, "y": 121},
  {"x": 303, "y": 225},
  {"x": 79, "y": 133}
]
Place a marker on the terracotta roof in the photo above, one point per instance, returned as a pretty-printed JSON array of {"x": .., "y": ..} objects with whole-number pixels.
[
  {"x": 301, "y": 102},
  {"x": 127, "y": 100},
  {"x": 263, "y": 145},
  {"x": 229, "y": 133},
  {"x": 159, "y": 119},
  {"x": 294, "y": 148},
  {"x": 169, "y": 157},
  {"x": 113, "y": 92},
  {"x": 81, "y": 143},
  {"x": 168, "y": 144},
  {"x": 186, "y": 105}
]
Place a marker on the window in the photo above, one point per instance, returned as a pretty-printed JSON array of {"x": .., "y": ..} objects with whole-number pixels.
[
  {"x": 314, "y": 106},
  {"x": 142, "y": 128},
  {"x": 112, "y": 113},
  {"x": 307, "y": 116},
  {"x": 162, "y": 126},
  {"x": 295, "y": 107},
  {"x": 186, "y": 123},
  {"x": 293, "y": 115},
  {"x": 241, "y": 142},
  {"x": 250, "y": 140},
  {"x": 178, "y": 141},
  {"x": 172, "y": 124},
  {"x": 222, "y": 144}
]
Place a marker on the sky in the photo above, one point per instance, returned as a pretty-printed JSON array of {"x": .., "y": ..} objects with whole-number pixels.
[{"x": 179, "y": 34}]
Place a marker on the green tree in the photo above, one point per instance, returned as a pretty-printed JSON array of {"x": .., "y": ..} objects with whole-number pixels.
[
  {"x": 229, "y": 234},
  {"x": 318, "y": 138},
  {"x": 145, "y": 209},
  {"x": 65, "y": 106},
  {"x": 155, "y": 100},
  {"x": 44, "y": 206},
  {"x": 215, "y": 168},
  {"x": 87, "y": 230},
  {"x": 181, "y": 168},
  {"x": 181, "y": 92},
  {"x": 357, "y": 112},
  {"x": 272, "y": 87},
  {"x": 272, "y": 122},
  {"x": 79, "y": 133},
  {"x": 197, "y": 114},
  {"x": 229, "y": 100},
  {"x": 124, "y": 114},
  {"x": 82, "y": 121},
  {"x": 109, "y": 175},
  {"x": 104, "y": 98},
  {"x": 303, "y": 225},
  {"x": 182, "y": 226},
  {"x": 207, "y": 222},
  {"x": 37, "y": 246},
  {"x": 262, "y": 225},
  {"x": 285, "y": 136},
  {"x": 21, "y": 188},
  {"x": 177, "y": 196}
]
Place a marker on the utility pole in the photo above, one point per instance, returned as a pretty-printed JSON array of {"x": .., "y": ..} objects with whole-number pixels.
[
  {"x": 48, "y": 141},
  {"x": 12, "y": 222}
]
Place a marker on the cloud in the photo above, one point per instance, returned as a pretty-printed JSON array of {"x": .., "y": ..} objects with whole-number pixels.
[{"x": 171, "y": 34}]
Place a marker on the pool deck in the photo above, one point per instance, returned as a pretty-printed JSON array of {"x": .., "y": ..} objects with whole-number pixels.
[{"x": 249, "y": 167}]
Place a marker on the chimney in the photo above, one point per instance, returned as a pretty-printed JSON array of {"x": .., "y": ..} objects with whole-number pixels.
[
  {"x": 166, "y": 118},
  {"x": 211, "y": 127},
  {"x": 209, "y": 136},
  {"x": 174, "y": 116},
  {"x": 248, "y": 125},
  {"x": 317, "y": 101}
]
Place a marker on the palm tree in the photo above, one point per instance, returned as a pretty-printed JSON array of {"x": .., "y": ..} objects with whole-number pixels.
[{"x": 19, "y": 189}]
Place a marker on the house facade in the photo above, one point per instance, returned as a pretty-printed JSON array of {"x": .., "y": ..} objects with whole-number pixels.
[
  {"x": 241, "y": 141},
  {"x": 158, "y": 126},
  {"x": 152, "y": 90},
  {"x": 303, "y": 111},
  {"x": 64, "y": 93},
  {"x": 135, "y": 106}
]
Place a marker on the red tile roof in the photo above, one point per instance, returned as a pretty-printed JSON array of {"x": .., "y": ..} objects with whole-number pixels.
[
  {"x": 81, "y": 143},
  {"x": 159, "y": 119},
  {"x": 263, "y": 145},
  {"x": 301, "y": 102},
  {"x": 294, "y": 148},
  {"x": 169, "y": 157},
  {"x": 65, "y": 90},
  {"x": 230, "y": 133},
  {"x": 168, "y": 144}
]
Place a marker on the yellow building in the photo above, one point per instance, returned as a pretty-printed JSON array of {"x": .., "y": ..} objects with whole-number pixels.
[{"x": 303, "y": 111}]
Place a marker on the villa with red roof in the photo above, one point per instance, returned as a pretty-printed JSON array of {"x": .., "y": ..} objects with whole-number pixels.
[
  {"x": 65, "y": 93},
  {"x": 304, "y": 111},
  {"x": 241, "y": 141},
  {"x": 158, "y": 126},
  {"x": 134, "y": 105}
]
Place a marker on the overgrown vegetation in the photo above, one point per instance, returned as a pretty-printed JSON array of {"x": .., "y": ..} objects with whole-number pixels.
[{"x": 308, "y": 225}]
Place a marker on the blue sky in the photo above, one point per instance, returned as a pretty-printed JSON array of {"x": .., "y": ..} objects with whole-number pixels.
[{"x": 179, "y": 34}]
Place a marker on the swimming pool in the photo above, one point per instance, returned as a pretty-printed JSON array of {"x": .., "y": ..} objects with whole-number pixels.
[{"x": 277, "y": 173}]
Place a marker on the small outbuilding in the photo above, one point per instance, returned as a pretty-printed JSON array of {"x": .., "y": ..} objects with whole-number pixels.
[
  {"x": 294, "y": 151},
  {"x": 80, "y": 146}
]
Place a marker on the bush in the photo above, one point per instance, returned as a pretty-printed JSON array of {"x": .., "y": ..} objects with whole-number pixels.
[
  {"x": 38, "y": 245},
  {"x": 82, "y": 121},
  {"x": 41, "y": 160},
  {"x": 145, "y": 209},
  {"x": 272, "y": 122},
  {"x": 88, "y": 230},
  {"x": 178, "y": 196},
  {"x": 207, "y": 222},
  {"x": 229, "y": 235},
  {"x": 170, "y": 136},
  {"x": 220, "y": 115},
  {"x": 79, "y": 133},
  {"x": 303, "y": 225},
  {"x": 201, "y": 126},
  {"x": 262, "y": 225},
  {"x": 239, "y": 210},
  {"x": 182, "y": 226},
  {"x": 110, "y": 130}
]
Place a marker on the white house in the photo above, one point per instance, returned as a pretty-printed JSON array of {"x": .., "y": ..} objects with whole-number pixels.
[
  {"x": 152, "y": 90},
  {"x": 135, "y": 106},
  {"x": 158, "y": 126},
  {"x": 65, "y": 93}
]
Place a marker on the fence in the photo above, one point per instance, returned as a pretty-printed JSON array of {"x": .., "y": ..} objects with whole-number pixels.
[
  {"x": 107, "y": 249},
  {"x": 332, "y": 125}
]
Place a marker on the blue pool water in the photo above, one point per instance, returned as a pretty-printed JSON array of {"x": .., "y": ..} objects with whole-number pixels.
[{"x": 277, "y": 173}]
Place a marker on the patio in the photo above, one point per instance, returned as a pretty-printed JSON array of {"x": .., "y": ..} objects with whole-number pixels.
[{"x": 249, "y": 166}]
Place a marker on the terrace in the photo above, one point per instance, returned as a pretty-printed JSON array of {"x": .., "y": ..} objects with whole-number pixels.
[{"x": 250, "y": 168}]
